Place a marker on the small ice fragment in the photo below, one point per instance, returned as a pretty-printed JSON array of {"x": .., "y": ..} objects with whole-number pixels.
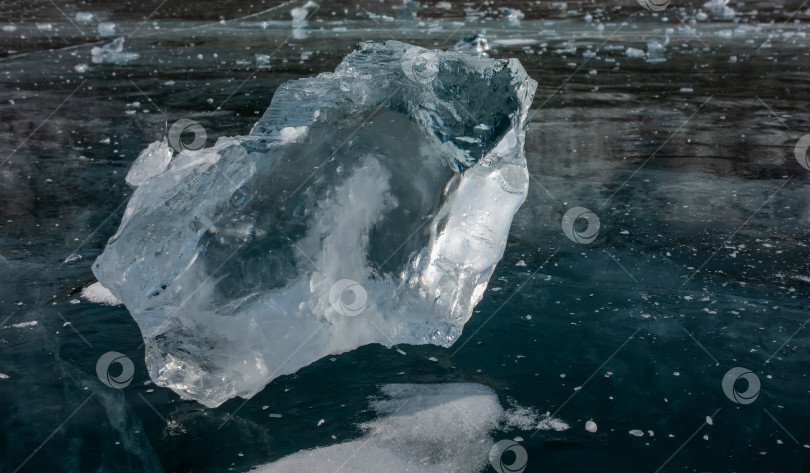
[
  {"x": 656, "y": 49},
  {"x": 4, "y": 376},
  {"x": 444, "y": 5},
  {"x": 401, "y": 352},
  {"x": 719, "y": 9},
  {"x": 73, "y": 257},
  {"x": 677, "y": 373},
  {"x": 84, "y": 17},
  {"x": 521, "y": 264},
  {"x": 9, "y": 28},
  {"x": 44, "y": 27},
  {"x": 262, "y": 60},
  {"x": 476, "y": 45},
  {"x": 590, "y": 426},
  {"x": 99, "y": 294},
  {"x": 151, "y": 162},
  {"x": 274, "y": 416},
  {"x": 512, "y": 15},
  {"x": 686, "y": 90},
  {"x": 636, "y": 433},
  {"x": 75, "y": 301},
  {"x": 709, "y": 420},
  {"x": 320, "y": 422},
  {"x": 81, "y": 68},
  {"x": 651, "y": 433},
  {"x": 433, "y": 359},
  {"x": 112, "y": 53},
  {"x": 634, "y": 53},
  {"x": 701, "y": 16},
  {"x": 106, "y": 29},
  {"x": 706, "y": 437}
]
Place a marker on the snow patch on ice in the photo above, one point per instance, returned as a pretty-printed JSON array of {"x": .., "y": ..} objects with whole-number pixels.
[{"x": 99, "y": 294}]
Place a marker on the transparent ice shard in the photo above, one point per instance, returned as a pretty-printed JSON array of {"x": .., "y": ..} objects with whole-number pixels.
[{"x": 368, "y": 205}]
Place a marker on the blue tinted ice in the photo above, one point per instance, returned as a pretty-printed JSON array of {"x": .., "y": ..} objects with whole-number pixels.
[{"x": 368, "y": 205}]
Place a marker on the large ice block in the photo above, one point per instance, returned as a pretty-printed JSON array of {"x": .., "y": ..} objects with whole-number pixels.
[{"x": 367, "y": 205}]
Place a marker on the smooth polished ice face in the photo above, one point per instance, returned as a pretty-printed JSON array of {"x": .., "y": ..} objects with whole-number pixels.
[{"x": 368, "y": 205}]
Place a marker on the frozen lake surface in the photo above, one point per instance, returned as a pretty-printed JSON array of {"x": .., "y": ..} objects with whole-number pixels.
[{"x": 677, "y": 131}]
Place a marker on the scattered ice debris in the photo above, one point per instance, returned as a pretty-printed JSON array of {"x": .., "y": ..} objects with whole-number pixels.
[
  {"x": 112, "y": 53},
  {"x": 44, "y": 27},
  {"x": 321, "y": 422},
  {"x": 686, "y": 90},
  {"x": 9, "y": 28},
  {"x": 4, "y": 376},
  {"x": 107, "y": 29},
  {"x": 75, "y": 301},
  {"x": 636, "y": 433},
  {"x": 433, "y": 359},
  {"x": 590, "y": 426},
  {"x": 521, "y": 264},
  {"x": 151, "y": 162},
  {"x": 552, "y": 423},
  {"x": 444, "y": 5},
  {"x": 81, "y": 68},
  {"x": 99, "y": 294}
]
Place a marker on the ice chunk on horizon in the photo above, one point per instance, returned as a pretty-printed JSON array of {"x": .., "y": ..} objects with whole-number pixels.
[
  {"x": 351, "y": 214},
  {"x": 112, "y": 53},
  {"x": 720, "y": 9}
]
